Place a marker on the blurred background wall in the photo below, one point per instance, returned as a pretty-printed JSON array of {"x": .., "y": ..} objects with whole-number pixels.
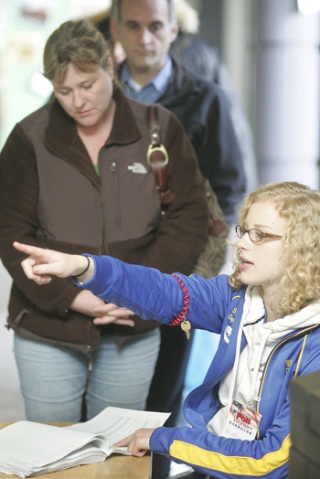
[{"x": 271, "y": 52}]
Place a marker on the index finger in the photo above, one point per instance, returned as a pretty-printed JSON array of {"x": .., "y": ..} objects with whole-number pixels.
[
  {"x": 28, "y": 249},
  {"x": 123, "y": 442}
]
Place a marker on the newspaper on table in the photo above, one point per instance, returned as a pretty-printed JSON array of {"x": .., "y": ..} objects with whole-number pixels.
[{"x": 29, "y": 448}]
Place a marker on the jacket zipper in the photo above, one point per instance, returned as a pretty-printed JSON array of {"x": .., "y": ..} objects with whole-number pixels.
[{"x": 116, "y": 187}]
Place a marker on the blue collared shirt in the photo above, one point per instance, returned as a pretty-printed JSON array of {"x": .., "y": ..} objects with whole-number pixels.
[{"x": 150, "y": 92}]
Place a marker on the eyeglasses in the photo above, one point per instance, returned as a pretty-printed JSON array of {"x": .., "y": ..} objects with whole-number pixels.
[{"x": 255, "y": 235}]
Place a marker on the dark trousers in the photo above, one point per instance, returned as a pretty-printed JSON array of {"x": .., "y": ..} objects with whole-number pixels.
[{"x": 167, "y": 385}]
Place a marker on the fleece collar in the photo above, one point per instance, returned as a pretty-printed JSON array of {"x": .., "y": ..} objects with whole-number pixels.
[{"x": 254, "y": 310}]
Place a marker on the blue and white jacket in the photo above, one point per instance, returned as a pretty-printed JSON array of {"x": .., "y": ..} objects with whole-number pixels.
[{"x": 216, "y": 307}]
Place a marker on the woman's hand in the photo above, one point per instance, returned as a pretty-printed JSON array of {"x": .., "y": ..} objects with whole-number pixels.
[
  {"x": 110, "y": 313},
  {"x": 42, "y": 264},
  {"x": 138, "y": 443},
  {"x": 102, "y": 313}
]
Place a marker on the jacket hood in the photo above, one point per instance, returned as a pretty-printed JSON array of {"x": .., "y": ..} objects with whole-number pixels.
[{"x": 305, "y": 318}]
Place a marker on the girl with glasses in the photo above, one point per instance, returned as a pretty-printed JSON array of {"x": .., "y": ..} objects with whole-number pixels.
[{"x": 267, "y": 313}]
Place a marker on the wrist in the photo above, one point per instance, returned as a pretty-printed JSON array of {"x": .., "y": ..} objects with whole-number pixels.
[{"x": 85, "y": 270}]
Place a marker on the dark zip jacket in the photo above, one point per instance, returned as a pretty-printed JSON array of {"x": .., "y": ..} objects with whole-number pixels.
[{"x": 51, "y": 196}]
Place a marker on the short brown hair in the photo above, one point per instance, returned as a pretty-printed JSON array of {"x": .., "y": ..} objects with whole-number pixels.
[
  {"x": 116, "y": 10},
  {"x": 76, "y": 42}
]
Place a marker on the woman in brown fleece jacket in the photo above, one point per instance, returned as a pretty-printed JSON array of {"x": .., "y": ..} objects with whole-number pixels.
[{"x": 74, "y": 176}]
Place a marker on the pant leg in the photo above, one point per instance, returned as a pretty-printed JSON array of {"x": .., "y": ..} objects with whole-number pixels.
[
  {"x": 52, "y": 380},
  {"x": 121, "y": 375}
]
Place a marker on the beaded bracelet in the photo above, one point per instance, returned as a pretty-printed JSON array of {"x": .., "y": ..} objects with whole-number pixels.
[{"x": 186, "y": 300}]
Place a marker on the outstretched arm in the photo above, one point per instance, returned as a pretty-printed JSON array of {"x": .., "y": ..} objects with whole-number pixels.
[{"x": 146, "y": 291}]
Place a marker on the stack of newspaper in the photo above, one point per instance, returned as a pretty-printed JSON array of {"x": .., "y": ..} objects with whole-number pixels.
[{"x": 29, "y": 448}]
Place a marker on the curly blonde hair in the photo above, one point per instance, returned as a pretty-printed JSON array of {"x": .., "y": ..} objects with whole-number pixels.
[{"x": 300, "y": 206}]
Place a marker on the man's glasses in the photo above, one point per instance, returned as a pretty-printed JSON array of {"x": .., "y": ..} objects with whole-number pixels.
[{"x": 255, "y": 235}]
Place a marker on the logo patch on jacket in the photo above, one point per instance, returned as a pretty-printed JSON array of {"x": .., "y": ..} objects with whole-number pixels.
[
  {"x": 227, "y": 334},
  {"x": 138, "y": 168},
  {"x": 228, "y": 330}
]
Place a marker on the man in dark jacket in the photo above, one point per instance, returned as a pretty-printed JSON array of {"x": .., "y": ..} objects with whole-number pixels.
[
  {"x": 150, "y": 75},
  {"x": 146, "y": 29}
]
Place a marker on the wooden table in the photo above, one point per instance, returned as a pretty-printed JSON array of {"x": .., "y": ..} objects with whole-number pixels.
[{"x": 115, "y": 466}]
